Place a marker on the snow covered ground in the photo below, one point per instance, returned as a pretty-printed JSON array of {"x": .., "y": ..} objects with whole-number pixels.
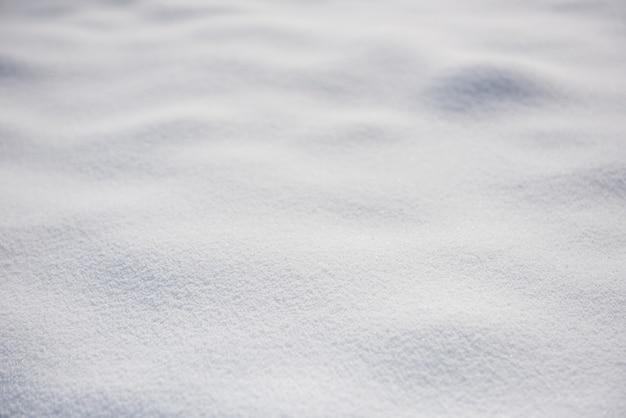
[{"x": 313, "y": 208}]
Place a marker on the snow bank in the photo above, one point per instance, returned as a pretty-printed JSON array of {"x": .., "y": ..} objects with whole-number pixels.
[{"x": 329, "y": 208}]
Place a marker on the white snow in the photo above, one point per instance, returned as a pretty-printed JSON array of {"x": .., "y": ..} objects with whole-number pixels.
[{"x": 313, "y": 208}]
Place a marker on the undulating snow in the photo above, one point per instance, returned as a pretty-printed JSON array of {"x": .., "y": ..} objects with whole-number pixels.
[{"x": 313, "y": 208}]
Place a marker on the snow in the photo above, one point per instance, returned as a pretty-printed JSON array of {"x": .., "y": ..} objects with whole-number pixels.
[{"x": 313, "y": 208}]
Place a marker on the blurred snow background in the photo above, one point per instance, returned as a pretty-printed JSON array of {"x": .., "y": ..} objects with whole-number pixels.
[{"x": 313, "y": 208}]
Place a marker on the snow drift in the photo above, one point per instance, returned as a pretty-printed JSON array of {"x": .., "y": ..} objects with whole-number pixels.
[{"x": 324, "y": 208}]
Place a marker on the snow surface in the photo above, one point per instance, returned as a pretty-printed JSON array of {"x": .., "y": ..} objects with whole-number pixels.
[{"x": 313, "y": 208}]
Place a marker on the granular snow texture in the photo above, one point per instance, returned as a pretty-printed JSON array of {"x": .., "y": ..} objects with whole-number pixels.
[{"x": 313, "y": 208}]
